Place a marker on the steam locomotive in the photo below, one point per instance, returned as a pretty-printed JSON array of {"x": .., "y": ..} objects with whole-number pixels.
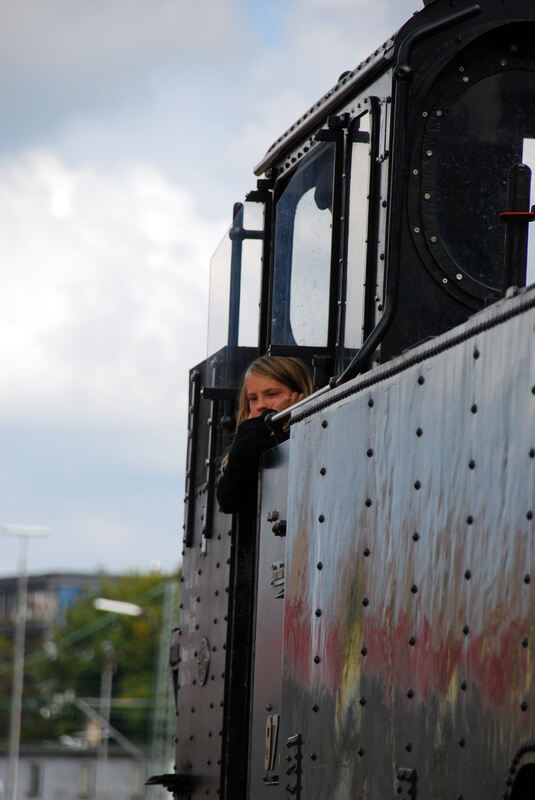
[{"x": 369, "y": 630}]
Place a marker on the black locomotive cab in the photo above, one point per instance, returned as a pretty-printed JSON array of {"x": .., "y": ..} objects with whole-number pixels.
[{"x": 388, "y": 243}]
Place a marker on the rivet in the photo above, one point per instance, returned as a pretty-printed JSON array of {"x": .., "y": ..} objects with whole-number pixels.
[
  {"x": 318, "y": 612},
  {"x": 463, "y": 685},
  {"x": 529, "y": 515},
  {"x": 434, "y": 239},
  {"x": 524, "y": 705},
  {"x": 427, "y": 196},
  {"x": 417, "y": 485},
  {"x": 365, "y": 602},
  {"x": 324, "y": 423},
  {"x": 465, "y": 79},
  {"x": 323, "y": 471},
  {"x": 472, "y": 464},
  {"x": 317, "y": 659},
  {"x": 362, "y": 701},
  {"x": 313, "y": 756},
  {"x": 321, "y": 518},
  {"x": 408, "y": 747},
  {"x": 525, "y": 641},
  {"x": 425, "y": 114},
  {"x": 366, "y": 552},
  {"x": 469, "y": 519},
  {"x": 364, "y": 650},
  {"x": 439, "y": 112},
  {"x": 429, "y": 153},
  {"x": 370, "y": 402},
  {"x": 415, "y": 536},
  {"x": 467, "y": 574},
  {"x": 417, "y": 230},
  {"x": 466, "y": 630},
  {"x": 315, "y": 708},
  {"x": 532, "y": 453},
  {"x": 414, "y": 588},
  {"x": 369, "y": 452},
  {"x": 360, "y": 751},
  {"x": 462, "y": 741},
  {"x": 444, "y": 280},
  {"x": 410, "y": 694},
  {"x": 412, "y": 641},
  {"x": 415, "y": 172},
  {"x": 319, "y": 565},
  {"x": 527, "y": 579},
  {"x": 419, "y": 431},
  {"x": 473, "y": 408}
]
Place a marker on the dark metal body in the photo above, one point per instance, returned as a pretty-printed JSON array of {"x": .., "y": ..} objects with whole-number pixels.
[
  {"x": 409, "y": 611},
  {"x": 368, "y": 630}
]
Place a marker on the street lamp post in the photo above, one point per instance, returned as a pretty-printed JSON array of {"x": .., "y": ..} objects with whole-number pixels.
[
  {"x": 23, "y": 532},
  {"x": 115, "y": 607}
]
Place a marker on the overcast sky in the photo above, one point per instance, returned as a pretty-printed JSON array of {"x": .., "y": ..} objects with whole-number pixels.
[{"x": 129, "y": 127}]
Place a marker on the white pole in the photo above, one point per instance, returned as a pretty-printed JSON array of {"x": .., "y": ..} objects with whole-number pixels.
[
  {"x": 105, "y": 707},
  {"x": 23, "y": 532}
]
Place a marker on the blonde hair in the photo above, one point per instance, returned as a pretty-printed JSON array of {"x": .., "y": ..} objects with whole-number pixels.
[{"x": 290, "y": 371}]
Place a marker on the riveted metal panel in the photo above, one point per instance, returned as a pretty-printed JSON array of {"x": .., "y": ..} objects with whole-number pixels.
[
  {"x": 265, "y": 753},
  {"x": 409, "y": 610},
  {"x": 209, "y": 665}
]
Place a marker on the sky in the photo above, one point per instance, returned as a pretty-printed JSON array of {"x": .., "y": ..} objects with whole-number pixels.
[{"x": 129, "y": 128}]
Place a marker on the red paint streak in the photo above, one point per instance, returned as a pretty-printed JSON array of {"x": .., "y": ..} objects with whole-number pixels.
[
  {"x": 494, "y": 660},
  {"x": 297, "y": 641}
]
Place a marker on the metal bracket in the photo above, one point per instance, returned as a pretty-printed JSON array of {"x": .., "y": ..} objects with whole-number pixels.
[
  {"x": 294, "y": 770},
  {"x": 407, "y": 775}
]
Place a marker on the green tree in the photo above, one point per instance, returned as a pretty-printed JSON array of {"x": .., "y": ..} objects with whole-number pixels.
[{"x": 73, "y": 662}]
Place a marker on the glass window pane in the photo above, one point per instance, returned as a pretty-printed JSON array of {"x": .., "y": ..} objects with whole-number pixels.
[
  {"x": 235, "y": 277},
  {"x": 528, "y": 158},
  {"x": 357, "y": 236},
  {"x": 218, "y": 302},
  {"x": 250, "y": 292},
  {"x": 303, "y": 254}
]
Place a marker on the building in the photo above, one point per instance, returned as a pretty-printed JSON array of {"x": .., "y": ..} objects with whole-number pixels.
[
  {"x": 49, "y": 597},
  {"x": 47, "y": 773}
]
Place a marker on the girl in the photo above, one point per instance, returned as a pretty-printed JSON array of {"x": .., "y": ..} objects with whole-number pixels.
[{"x": 271, "y": 383}]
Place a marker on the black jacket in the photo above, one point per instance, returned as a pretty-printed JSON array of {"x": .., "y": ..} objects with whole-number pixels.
[{"x": 237, "y": 486}]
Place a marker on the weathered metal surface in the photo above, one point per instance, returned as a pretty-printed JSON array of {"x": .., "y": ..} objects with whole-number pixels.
[
  {"x": 203, "y": 637},
  {"x": 206, "y": 664},
  {"x": 409, "y": 610},
  {"x": 265, "y": 762}
]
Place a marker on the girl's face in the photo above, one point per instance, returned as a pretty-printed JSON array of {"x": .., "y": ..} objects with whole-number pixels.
[{"x": 264, "y": 393}]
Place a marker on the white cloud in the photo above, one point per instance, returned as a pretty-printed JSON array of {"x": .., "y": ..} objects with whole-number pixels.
[
  {"x": 105, "y": 290},
  {"x": 74, "y": 40},
  {"x": 148, "y": 118}
]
